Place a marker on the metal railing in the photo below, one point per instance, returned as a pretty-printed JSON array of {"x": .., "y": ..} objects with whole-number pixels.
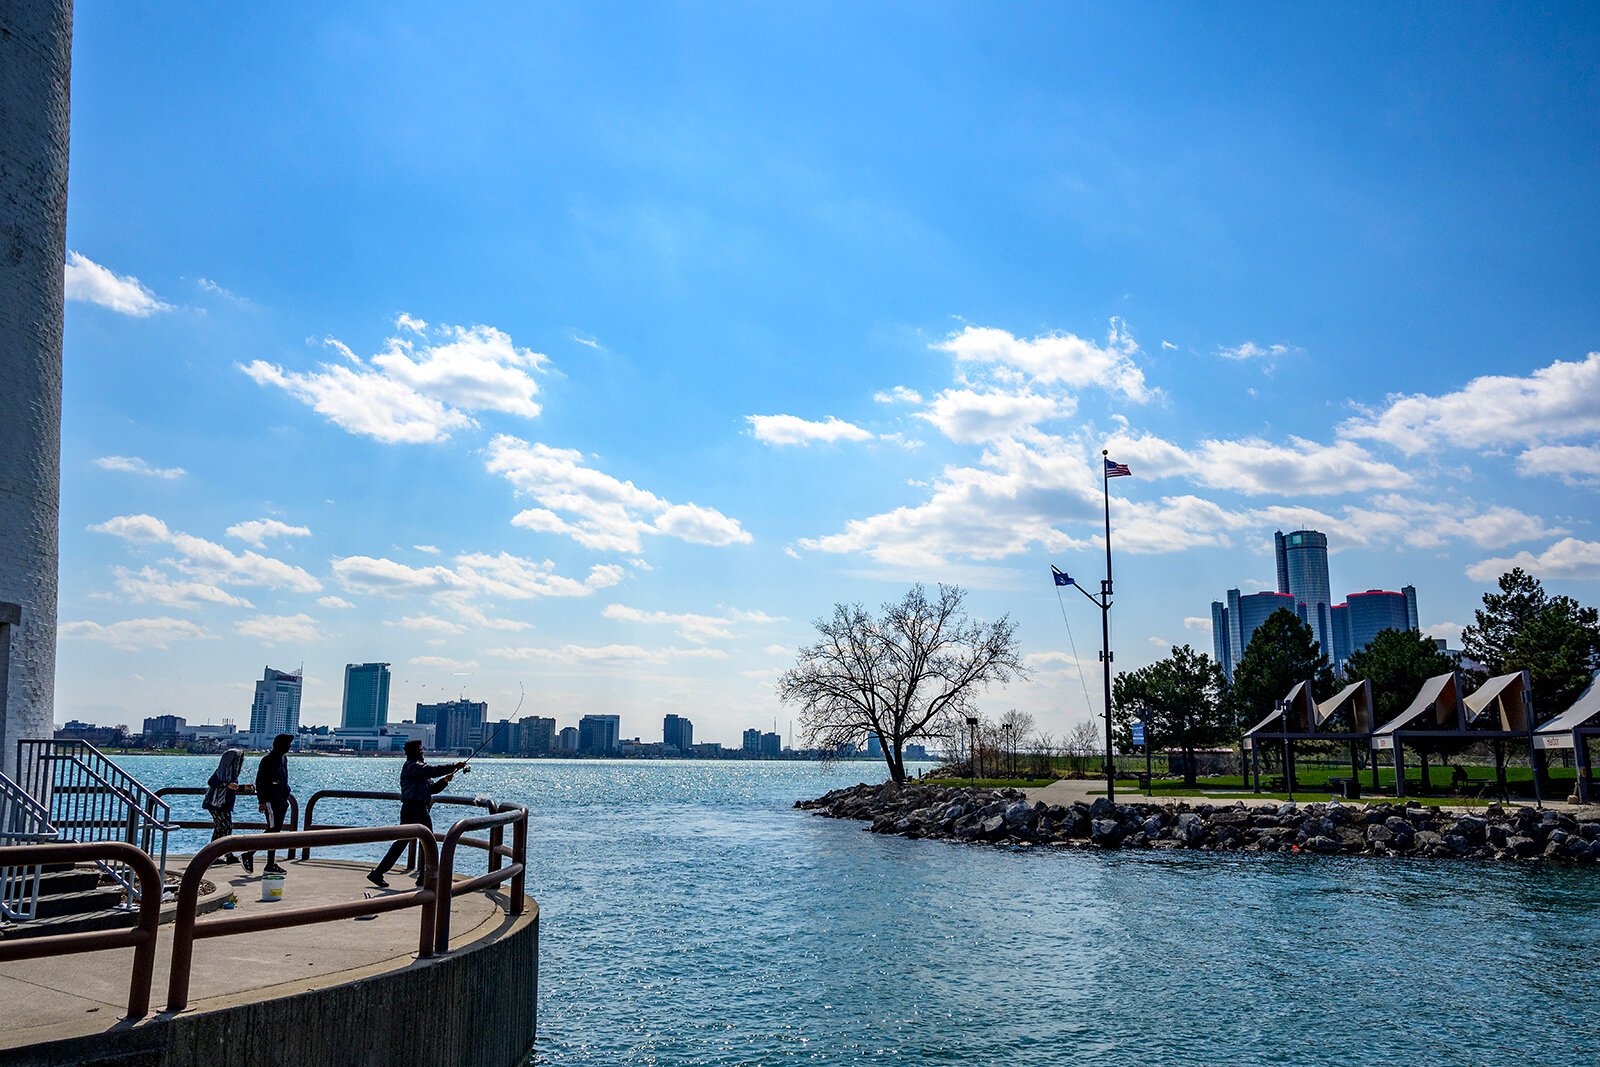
[
  {"x": 91, "y": 799},
  {"x": 292, "y": 823},
  {"x": 23, "y": 821},
  {"x": 393, "y": 798},
  {"x": 185, "y": 930},
  {"x": 142, "y": 938},
  {"x": 516, "y": 871}
]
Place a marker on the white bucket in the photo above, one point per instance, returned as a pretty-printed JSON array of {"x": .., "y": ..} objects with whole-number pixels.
[{"x": 271, "y": 887}]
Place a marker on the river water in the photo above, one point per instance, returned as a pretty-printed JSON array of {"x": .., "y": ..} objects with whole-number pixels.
[{"x": 691, "y": 916}]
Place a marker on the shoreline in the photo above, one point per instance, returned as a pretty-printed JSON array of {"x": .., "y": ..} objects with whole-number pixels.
[{"x": 1005, "y": 817}]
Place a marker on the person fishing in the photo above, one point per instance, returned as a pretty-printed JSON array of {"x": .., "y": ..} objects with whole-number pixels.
[
  {"x": 417, "y": 790},
  {"x": 221, "y": 790},
  {"x": 272, "y": 797}
]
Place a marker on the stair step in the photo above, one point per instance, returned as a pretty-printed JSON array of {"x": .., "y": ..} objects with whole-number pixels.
[
  {"x": 104, "y": 919},
  {"x": 79, "y": 902},
  {"x": 70, "y": 880}
]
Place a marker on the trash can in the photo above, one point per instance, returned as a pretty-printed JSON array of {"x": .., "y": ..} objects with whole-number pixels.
[
  {"x": 1350, "y": 788},
  {"x": 271, "y": 887}
]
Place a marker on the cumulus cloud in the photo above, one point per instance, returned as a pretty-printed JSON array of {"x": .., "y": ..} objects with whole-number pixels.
[
  {"x": 690, "y": 626},
  {"x": 1554, "y": 403},
  {"x": 91, "y": 283},
  {"x": 793, "y": 430},
  {"x": 1567, "y": 559},
  {"x": 1251, "y": 350},
  {"x": 368, "y": 574},
  {"x": 1058, "y": 357},
  {"x": 596, "y": 509},
  {"x": 970, "y": 417},
  {"x": 257, "y": 531},
  {"x": 153, "y": 586},
  {"x": 298, "y": 629},
  {"x": 337, "y": 602},
  {"x": 443, "y": 663},
  {"x": 1255, "y": 466},
  {"x": 418, "y": 390},
  {"x": 898, "y": 395},
  {"x": 209, "y": 560},
  {"x": 135, "y": 635},
  {"x": 430, "y": 624},
  {"x": 1199, "y": 623},
  {"x": 135, "y": 465},
  {"x": 619, "y": 655},
  {"x": 1573, "y": 464}
]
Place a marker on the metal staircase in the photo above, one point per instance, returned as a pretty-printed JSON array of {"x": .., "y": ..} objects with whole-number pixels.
[{"x": 23, "y": 821}]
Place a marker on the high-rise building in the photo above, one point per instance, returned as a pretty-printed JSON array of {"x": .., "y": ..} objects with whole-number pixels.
[
  {"x": 366, "y": 696},
  {"x": 771, "y": 745},
  {"x": 1374, "y": 611},
  {"x": 1302, "y": 563},
  {"x": 164, "y": 729},
  {"x": 457, "y": 724},
  {"x": 276, "y": 708},
  {"x": 536, "y": 736},
  {"x": 567, "y": 739},
  {"x": 677, "y": 732},
  {"x": 1239, "y": 621},
  {"x": 599, "y": 735},
  {"x": 752, "y": 743}
]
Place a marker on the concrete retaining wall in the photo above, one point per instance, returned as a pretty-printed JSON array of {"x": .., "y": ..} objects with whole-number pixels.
[{"x": 476, "y": 1007}]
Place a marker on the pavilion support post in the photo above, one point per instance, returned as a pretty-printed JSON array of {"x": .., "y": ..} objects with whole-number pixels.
[
  {"x": 1422, "y": 762},
  {"x": 1500, "y": 770},
  {"x": 1580, "y": 760},
  {"x": 1255, "y": 765},
  {"x": 1372, "y": 759},
  {"x": 1399, "y": 771}
]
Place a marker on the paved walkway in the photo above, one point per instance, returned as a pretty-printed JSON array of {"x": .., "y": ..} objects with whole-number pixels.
[{"x": 70, "y": 996}]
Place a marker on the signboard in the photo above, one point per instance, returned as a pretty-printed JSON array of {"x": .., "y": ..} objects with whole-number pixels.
[{"x": 1138, "y": 735}]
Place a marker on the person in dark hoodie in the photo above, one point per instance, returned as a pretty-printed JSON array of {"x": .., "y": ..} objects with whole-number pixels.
[
  {"x": 417, "y": 789},
  {"x": 221, "y": 788},
  {"x": 272, "y": 796}
]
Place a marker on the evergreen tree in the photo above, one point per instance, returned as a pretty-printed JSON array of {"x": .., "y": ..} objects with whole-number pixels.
[
  {"x": 1179, "y": 700},
  {"x": 1282, "y": 653},
  {"x": 1397, "y": 662},
  {"x": 1555, "y": 639}
]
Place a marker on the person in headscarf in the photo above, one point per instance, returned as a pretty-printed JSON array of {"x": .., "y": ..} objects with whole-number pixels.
[
  {"x": 272, "y": 796},
  {"x": 221, "y": 788}
]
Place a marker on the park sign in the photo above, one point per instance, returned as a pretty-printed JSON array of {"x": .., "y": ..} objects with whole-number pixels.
[{"x": 1138, "y": 734}]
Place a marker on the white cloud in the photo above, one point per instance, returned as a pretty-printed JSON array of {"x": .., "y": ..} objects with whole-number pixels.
[
  {"x": 1198, "y": 623},
  {"x": 585, "y": 340},
  {"x": 1251, "y": 350},
  {"x": 407, "y": 321},
  {"x": 969, "y": 417},
  {"x": 777, "y": 650},
  {"x": 334, "y": 602},
  {"x": 151, "y": 585},
  {"x": 135, "y": 465},
  {"x": 1255, "y": 466},
  {"x": 365, "y": 403},
  {"x": 793, "y": 430},
  {"x": 1567, "y": 559},
  {"x": 257, "y": 531},
  {"x": 432, "y": 550},
  {"x": 366, "y": 574},
  {"x": 1449, "y": 631},
  {"x": 619, "y": 655},
  {"x": 1168, "y": 346},
  {"x": 207, "y": 559},
  {"x": 475, "y": 368},
  {"x": 430, "y": 624},
  {"x": 1056, "y": 357},
  {"x": 898, "y": 395},
  {"x": 298, "y": 629},
  {"x": 136, "y": 635},
  {"x": 1573, "y": 464},
  {"x": 691, "y": 626},
  {"x": 1554, "y": 403},
  {"x": 443, "y": 663},
  {"x": 607, "y": 514},
  {"x": 88, "y": 281}
]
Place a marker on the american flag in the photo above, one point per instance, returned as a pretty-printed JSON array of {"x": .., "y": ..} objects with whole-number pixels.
[{"x": 1117, "y": 470}]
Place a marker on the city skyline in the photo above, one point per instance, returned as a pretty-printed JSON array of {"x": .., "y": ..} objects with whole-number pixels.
[{"x": 607, "y": 402}]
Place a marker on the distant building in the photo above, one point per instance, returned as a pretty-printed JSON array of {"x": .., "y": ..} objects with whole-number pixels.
[
  {"x": 276, "y": 708},
  {"x": 914, "y": 752},
  {"x": 708, "y": 750},
  {"x": 536, "y": 736},
  {"x": 752, "y": 743},
  {"x": 366, "y": 696},
  {"x": 1302, "y": 560},
  {"x": 99, "y": 736},
  {"x": 1240, "y": 619},
  {"x": 677, "y": 732},
  {"x": 874, "y": 746},
  {"x": 457, "y": 724},
  {"x": 599, "y": 735},
  {"x": 771, "y": 746},
  {"x": 163, "y": 730},
  {"x": 567, "y": 739},
  {"x": 1364, "y": 616},
  {"x": 499, "y": 738},
  {"x": 402, "y": 732}
]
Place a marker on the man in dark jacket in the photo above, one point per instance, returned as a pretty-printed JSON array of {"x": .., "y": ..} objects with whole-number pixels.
[
  {"x": 417, "y": 789},
  {"x": 272, "y": 796}
]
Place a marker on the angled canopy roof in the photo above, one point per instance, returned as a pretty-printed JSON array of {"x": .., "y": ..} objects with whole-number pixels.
[
  {"x": 1301, "y": 707},
  {"x": 1586, "y": 712},
  {"x": 1436, "y": 707},
  {"x": 1504, "y": 702},
  {"x": 1350, "y": 710}
]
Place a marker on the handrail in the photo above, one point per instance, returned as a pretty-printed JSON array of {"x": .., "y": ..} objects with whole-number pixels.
[
  {"x": 142, "y": 938},
  {"x": 505, "y": 814},
  {"x": 185, "y": 930},
  {"x": 200, "y": 791},
  {"x": 23, "y": 820},
  {"x": 372, "y": 794}
]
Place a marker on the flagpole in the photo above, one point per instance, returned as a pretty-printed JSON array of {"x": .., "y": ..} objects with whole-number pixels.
[{"x": 1105, "y": 623}]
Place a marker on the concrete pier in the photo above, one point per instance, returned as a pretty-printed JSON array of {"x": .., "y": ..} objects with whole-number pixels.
[{"x": 348, "y": 992}]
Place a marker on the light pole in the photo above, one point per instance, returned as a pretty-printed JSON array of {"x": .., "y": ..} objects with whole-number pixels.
[
  {"x": 972, "y": 750},
  {"x": 1011, "y": 746},
  {"x": 1282, "y": 707}
]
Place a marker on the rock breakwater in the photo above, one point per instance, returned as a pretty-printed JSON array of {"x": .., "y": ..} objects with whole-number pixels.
[{"x": 1006, "y": 817}]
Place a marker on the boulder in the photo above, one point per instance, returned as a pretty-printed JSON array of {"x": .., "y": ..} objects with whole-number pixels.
[
  {"x": 1107, "y": 833},
  {"x": 1322, "y": 844}
]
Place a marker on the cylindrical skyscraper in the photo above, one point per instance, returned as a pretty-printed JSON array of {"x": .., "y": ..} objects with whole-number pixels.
[
  {"x": 35, "y": 94},
  {"x": 1302, "y": 559}
]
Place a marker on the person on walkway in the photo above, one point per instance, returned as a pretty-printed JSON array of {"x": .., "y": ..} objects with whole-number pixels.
[
  {"x": 272, "y": 797},
  {"x": 221, "y": 789},
  {"x": 417, "y": 789}
]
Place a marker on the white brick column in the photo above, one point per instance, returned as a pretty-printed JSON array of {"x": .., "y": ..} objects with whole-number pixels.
[{"x": 35, "y": 95}]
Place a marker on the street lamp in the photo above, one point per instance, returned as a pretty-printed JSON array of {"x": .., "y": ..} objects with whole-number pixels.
[
  {"x": 1282, "y": 707},
  {"x": 972, "y": 750},
  {"x": 1011, "y": 744}
]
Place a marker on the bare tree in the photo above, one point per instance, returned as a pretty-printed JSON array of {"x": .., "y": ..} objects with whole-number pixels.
[
  {"x": 1082, "y": 742},
  {"x": 911, "y": 671}
]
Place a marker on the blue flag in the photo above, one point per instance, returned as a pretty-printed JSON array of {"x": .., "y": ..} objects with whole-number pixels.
[{"x": 1061, "y": 578}]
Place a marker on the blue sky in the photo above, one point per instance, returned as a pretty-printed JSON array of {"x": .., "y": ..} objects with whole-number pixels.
[{"x": 598, "y": 349}]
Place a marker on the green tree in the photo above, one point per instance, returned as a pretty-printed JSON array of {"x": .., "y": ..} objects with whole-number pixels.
[
  {"x": 1555, "y": 639},
  {"x": 1397, "y": 662},
  {"x": 1179, "y": 700},
  {"x": 1282, "y": 653}
]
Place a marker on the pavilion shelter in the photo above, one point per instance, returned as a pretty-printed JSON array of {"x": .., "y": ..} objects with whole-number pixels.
[
  {"x": 1345, "y": 717},
  {"x": 1573, "y": 729},
  {"x": 1498, "y": 712}
]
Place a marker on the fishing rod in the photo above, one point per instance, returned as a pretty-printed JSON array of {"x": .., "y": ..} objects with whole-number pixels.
[{"x": 465, "y": 769}]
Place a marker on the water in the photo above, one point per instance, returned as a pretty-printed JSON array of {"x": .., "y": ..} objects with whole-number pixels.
[{"x": 690, "y": 916}]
